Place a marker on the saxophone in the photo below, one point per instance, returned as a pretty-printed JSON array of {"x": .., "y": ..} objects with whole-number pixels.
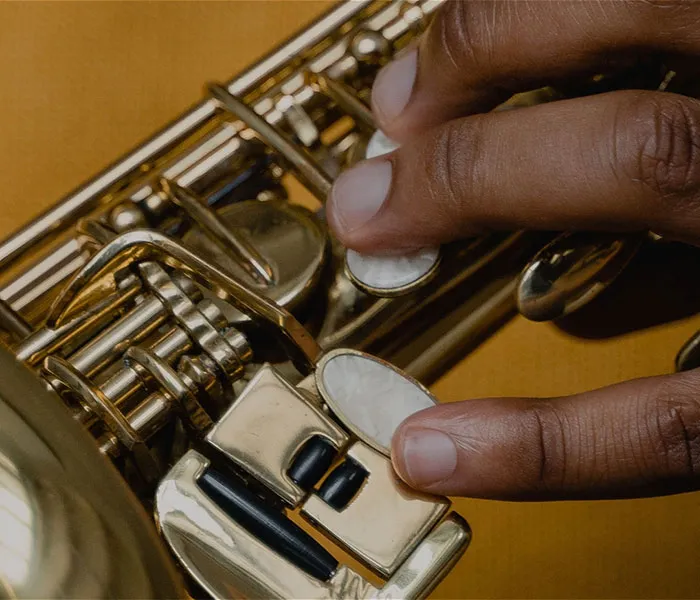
[{"x": 200, "y": 384}]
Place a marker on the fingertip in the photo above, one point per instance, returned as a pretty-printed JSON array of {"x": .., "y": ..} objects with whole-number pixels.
[
  {"x": 392, "y": 90},
  {"x": 397, "y": 456},
  {"x": 357, "y": 196},
  {"x": 424, "y": 458}
]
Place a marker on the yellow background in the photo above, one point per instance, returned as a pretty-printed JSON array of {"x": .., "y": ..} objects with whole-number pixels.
[{"x": 81, "y": 83}]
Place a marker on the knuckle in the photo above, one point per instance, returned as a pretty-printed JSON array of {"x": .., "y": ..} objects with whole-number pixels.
[
  {"x": 674, "y": 412},
  {"x": 666, "y": 138},
  {"x": 453, "y": 180},
  {"x": 679, "y": 17},
  {"x": 548, "y": 433},
  {"x": 464, "y": 35}
]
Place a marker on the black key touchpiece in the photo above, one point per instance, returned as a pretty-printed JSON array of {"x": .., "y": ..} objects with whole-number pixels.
[
  {"x": 312, "y": 462},
  {"x": 271, "y": 527},
  {"x": 342, "y": 484}
]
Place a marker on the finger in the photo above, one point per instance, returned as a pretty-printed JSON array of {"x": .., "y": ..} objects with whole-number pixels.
[
  {"x": 634, "y": 439},
  {"x": 623, "y": 161},
  {"x": 477, "y": 53}
]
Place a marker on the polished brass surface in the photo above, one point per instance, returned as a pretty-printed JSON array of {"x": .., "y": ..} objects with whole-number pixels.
[
  {"x": 69, "y": 526},
  {"x": 396, "y": 532},
  {"x": 688, "y": 356},
  {"x": 271, "y": 405},
  {"x": 347, "y": 100},
  {"x": 141, "y": 352},
  {"x": 571, "y": 271},
  {"x": 289, "y": 240},
  {"x": 225, "y": 238},
  {"x": 223, "y": 557},
  {"x": 311, "y": 173},
  {"x": 430, "y": 561},
  {"x": 143, "y": 244},
  {"x": 385, "y": 521}
]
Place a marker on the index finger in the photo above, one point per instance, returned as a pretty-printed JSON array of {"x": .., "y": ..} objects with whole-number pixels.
[{"x": 475, "y": 54}]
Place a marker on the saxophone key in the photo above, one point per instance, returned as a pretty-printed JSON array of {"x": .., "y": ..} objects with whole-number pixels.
[{"x": 388, "y": 275}]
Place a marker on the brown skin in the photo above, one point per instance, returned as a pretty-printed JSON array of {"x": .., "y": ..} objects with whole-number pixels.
[{"x": 621, "y": 161}]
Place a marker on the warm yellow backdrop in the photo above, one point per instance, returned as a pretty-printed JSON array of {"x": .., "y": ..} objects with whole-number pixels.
[{"x": 82, "y": 82}]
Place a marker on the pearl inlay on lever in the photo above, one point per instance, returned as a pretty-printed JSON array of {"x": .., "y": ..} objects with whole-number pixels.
[
  {"x": 389, "y": 275},
  {"x": 371, "y": 397}
]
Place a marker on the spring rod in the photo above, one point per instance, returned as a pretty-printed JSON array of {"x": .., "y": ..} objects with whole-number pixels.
[{"x": 312, "y": 174}]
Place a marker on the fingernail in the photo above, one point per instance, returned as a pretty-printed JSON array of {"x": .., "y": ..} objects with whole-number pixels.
[
  {"x": 429, "y": 456},
  {"x": 394, "y": 85},
  {"x": 358, "y": 194}
]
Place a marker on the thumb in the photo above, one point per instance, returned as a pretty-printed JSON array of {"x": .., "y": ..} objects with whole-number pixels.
[{"x": 635, "y": 439}]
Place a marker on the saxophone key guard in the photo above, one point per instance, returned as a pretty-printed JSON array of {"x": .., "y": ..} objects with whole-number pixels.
[{"x": 319, "y": 449}]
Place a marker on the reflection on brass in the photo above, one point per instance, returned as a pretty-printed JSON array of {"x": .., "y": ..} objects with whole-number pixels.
[
  {"x": 571, "y": 271},
  {"x": 270, "y": 405},
  {"x": 164, "y": 301},
  {"x": 290, "y": 239},
  {"x": 69, "y": 526},
  {"x": 94, "y": 399},
  {"x": 402, "y": 535},
  {"x": 176, "y": 391},
  {"x": 430, "y": 561},
  {"x": 145, "y": 245},
  {"x": 245, "y": 254},
  {"x": 227, "y": 561},
  {"x": 385, "y": 521},
  {"x": 313, "y": 175},
  {"x": 347, "y": 100},
  {"x": 13, "y": 323},
  {"x": 224, "y": 558},
  {"x": 688, "y": 356}
]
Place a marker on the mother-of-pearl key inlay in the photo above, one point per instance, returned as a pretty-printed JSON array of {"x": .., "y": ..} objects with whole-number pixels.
[
  {"x": 389, "y": 275},
  {"x": 371, "y": 397}
]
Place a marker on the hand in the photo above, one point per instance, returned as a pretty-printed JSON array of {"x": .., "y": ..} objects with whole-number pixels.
[{"x": 619, "y": 161}]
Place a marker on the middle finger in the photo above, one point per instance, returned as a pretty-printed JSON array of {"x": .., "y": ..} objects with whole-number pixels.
[{"x": 621, "y": 161}]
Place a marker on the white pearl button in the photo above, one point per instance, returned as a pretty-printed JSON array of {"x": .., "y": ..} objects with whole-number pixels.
[
  {"x": 389, "y": 275},
  {"x": 371, "y": 397}
]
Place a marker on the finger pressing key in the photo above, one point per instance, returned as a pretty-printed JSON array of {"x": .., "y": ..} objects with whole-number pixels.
[
  {"x": 620, "y": 162},
  {"x": 475, "y": 55},
  {"x": 385, "y": 275}
]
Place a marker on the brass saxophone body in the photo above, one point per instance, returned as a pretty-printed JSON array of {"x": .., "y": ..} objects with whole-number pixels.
[{"x": 184, "y": 352}]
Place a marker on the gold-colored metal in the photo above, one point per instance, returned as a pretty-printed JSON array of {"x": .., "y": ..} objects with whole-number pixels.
[
  {"x": 228, "y": 240},
  {"x": 237, "y": 435},
  {"x": 69, "y": 525},
  {"x": 311, "y": 173},
  {"x": 429, "y": 562},
  {"x": 385, "y": 522},
  {"x": 95, "y": 400},
  {"x": 292, "y": 241},
  {"x": 226, "y": 560},
  {"x": 571, "y": 271},
  {"x": 149, "y": 245},
  {"x": 13, "y": 323},
  {"x": 172, "y": 385},
  {"x": 347, "y": 100},
  {"x": 403, "y": 536},
  {"x": 180, "y": 303},
  {"x": 48, "y": 339}
]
